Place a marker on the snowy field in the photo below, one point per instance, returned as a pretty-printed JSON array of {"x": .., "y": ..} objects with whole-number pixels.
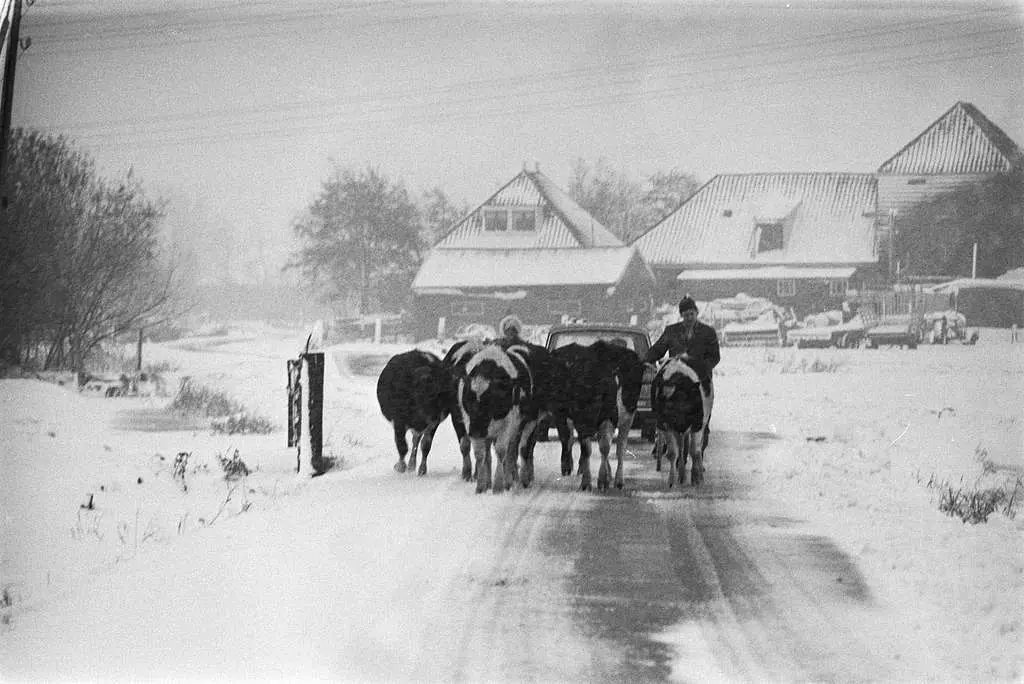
[{"x": 280, "y": 575}]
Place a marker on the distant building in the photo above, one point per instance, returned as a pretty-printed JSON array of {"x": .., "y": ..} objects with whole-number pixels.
[
  {"x": 529, "y": 249},
  {"x": 798, "y": 239}
]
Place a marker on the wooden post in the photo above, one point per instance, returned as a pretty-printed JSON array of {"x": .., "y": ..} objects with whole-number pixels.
[
  {"x": 138, "y": 352},
  {"x": 315, "y": 380}
]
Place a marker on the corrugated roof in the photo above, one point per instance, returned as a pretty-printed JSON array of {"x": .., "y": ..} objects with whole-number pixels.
[
  {"x": 565, "y": 223},
  {"x": 829, "y": 221},
  {"x": 473, "y": 268},
  {"x": 767, "y": 273},
  {"x": 961, "y": 141}
]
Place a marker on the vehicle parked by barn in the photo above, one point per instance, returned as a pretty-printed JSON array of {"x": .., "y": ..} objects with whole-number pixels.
[
  {"x": 828, "y": 330},
  {"x": 902, "y": 330}
]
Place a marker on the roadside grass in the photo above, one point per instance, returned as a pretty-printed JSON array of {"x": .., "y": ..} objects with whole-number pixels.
[
  {"x": 975, "y": 503},
  {"x": 229, "y": 416}
]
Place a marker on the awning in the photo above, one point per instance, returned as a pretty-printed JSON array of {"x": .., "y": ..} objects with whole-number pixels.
[
  {"x": 769, "y": 273},
  {"x": 977, "y": 283}
]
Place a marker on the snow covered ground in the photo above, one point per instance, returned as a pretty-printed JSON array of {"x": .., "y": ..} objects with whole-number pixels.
[{"x": 275, "y": 574}]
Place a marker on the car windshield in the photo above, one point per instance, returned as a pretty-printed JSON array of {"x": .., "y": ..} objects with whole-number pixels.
[{"x": 588, "y": 337}]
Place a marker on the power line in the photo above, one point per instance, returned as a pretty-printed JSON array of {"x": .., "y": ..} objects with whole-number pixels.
[
  {"x": 656, "y": 95},
  {"x": 352, "y": 106}
]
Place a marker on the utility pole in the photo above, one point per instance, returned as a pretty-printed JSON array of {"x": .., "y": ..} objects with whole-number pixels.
[
  {"x": 10, "y": 38},
  {"x": 974, "y": 262}
]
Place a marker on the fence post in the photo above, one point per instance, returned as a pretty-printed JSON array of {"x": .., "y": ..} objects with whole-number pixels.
[{"x": 378, "y": 329}]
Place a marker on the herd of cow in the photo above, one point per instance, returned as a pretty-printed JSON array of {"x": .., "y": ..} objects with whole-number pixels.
[{"x": 500, "y": 395}]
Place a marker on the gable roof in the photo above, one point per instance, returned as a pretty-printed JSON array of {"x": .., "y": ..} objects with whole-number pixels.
[
  {"x": 961, "y": 141},
  {"x": 828, "y": 219},
  {"x": 564, "y": 223}
]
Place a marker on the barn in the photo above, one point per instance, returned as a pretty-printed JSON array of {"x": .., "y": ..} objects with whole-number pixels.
[
  {"x": 529, "y": 249},
  {"x": 798, "y": 239},
  {"x": 961, "y": 147}
]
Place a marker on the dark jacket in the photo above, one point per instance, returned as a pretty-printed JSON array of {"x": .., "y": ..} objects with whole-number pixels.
[{"x": 702, "y": 344}]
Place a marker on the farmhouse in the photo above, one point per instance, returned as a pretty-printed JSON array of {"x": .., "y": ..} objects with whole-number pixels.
[
  {"x": 798, "y": 239},
  {"x": 530, "y": 250}
]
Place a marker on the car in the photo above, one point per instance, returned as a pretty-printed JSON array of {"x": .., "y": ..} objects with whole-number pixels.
[
  {"x": 902, "y": 330},
  {"x": 633, "y": 337}
]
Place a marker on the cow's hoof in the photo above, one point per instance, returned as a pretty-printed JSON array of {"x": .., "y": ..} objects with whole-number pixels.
[
  {"x": 618, "y": 485},
  {"x": 400, "y": 467},
  {"x": 422, "y": 470},
  {"x": 467, "y": 475},
  {"x": 585, "y": 487}
]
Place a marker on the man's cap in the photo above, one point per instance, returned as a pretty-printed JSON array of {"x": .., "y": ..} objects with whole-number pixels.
[{"x": 687, "y": 303}]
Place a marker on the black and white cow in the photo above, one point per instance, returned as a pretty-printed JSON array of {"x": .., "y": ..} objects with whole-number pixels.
[
  {"x": 455, "y": 361},
  {"x": 502, "y": 396},
  {"x": 600, "y": 397},
  {"x": 415, "y": 393},
  {"x": 682, "y": 399}
]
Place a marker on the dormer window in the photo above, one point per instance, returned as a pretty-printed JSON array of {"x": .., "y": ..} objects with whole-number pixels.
[
  {"x": 504, "y": 219},
  {"x": 769, "y": 237}
]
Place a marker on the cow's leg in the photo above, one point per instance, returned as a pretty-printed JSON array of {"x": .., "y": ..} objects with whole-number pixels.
[
  {"x": 672, "y": 454},
  {"x": 482, "y": 452},
  {"x": 400, "y": 443},
  {"x": 659, "y": 450},
  {"x": 683, "y": 448},
  {"x": 584, "y": 468},
  {"x": 526, "y": 453},
  {"x": 565, "y": 438},
  {"x": 464, "y": 447},
  {"x": 625, "y": 422},
  {"x": 417, "y": 435},
  {"x": 501, "y": 448},
  {"x": 697, "y": 458},
  {"x": 604, "y": 442},
  {"x": 425, "y": 442}
]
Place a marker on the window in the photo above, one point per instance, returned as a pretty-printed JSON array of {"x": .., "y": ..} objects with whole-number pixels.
[
  {"x": 916, "y": 181},
  {"x": 564, "y": 307},
  {"x": 495, "y": 220},
  {"x": 468, "y": 308},
  {"x": 837, "y": 288},
  {"x": 502, "y": 219},
  {"x": 786, "y": 288},
  {"x": 523, "y": 219},
  {"x": 769, "y": 236}
]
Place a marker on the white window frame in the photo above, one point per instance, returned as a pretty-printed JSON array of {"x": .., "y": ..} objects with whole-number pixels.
[
  {"x": 837, "y": 287},
  {"x": 510, "y": 214},
  {"x": 785, "y": 287}
]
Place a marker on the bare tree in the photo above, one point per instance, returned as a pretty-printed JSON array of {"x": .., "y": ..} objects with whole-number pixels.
[{"x": 81, "y": 256}]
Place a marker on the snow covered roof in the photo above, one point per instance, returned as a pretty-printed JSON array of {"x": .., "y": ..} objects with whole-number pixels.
[
  {"x": 564, "y": 223},
  {"x": 453, "y": 269},
  {"x": 768, "y": 273},
  {"x": 961, "y": 141},
  {"x": 828, "y": 220}
]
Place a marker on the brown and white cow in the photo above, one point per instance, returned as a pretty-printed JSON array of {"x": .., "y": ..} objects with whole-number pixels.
[
  {"x": 502, "y": 396},
  {"x": 415, "y": 393},
  {"x": 682, "y": 399},
  {"x": 600, "y": 398}
]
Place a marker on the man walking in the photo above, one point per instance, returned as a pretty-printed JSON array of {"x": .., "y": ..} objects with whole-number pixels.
[{"x": 689, "y": 336}]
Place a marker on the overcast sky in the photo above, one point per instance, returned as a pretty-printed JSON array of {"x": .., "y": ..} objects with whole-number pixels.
[{"x": 236, "y": 111}]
